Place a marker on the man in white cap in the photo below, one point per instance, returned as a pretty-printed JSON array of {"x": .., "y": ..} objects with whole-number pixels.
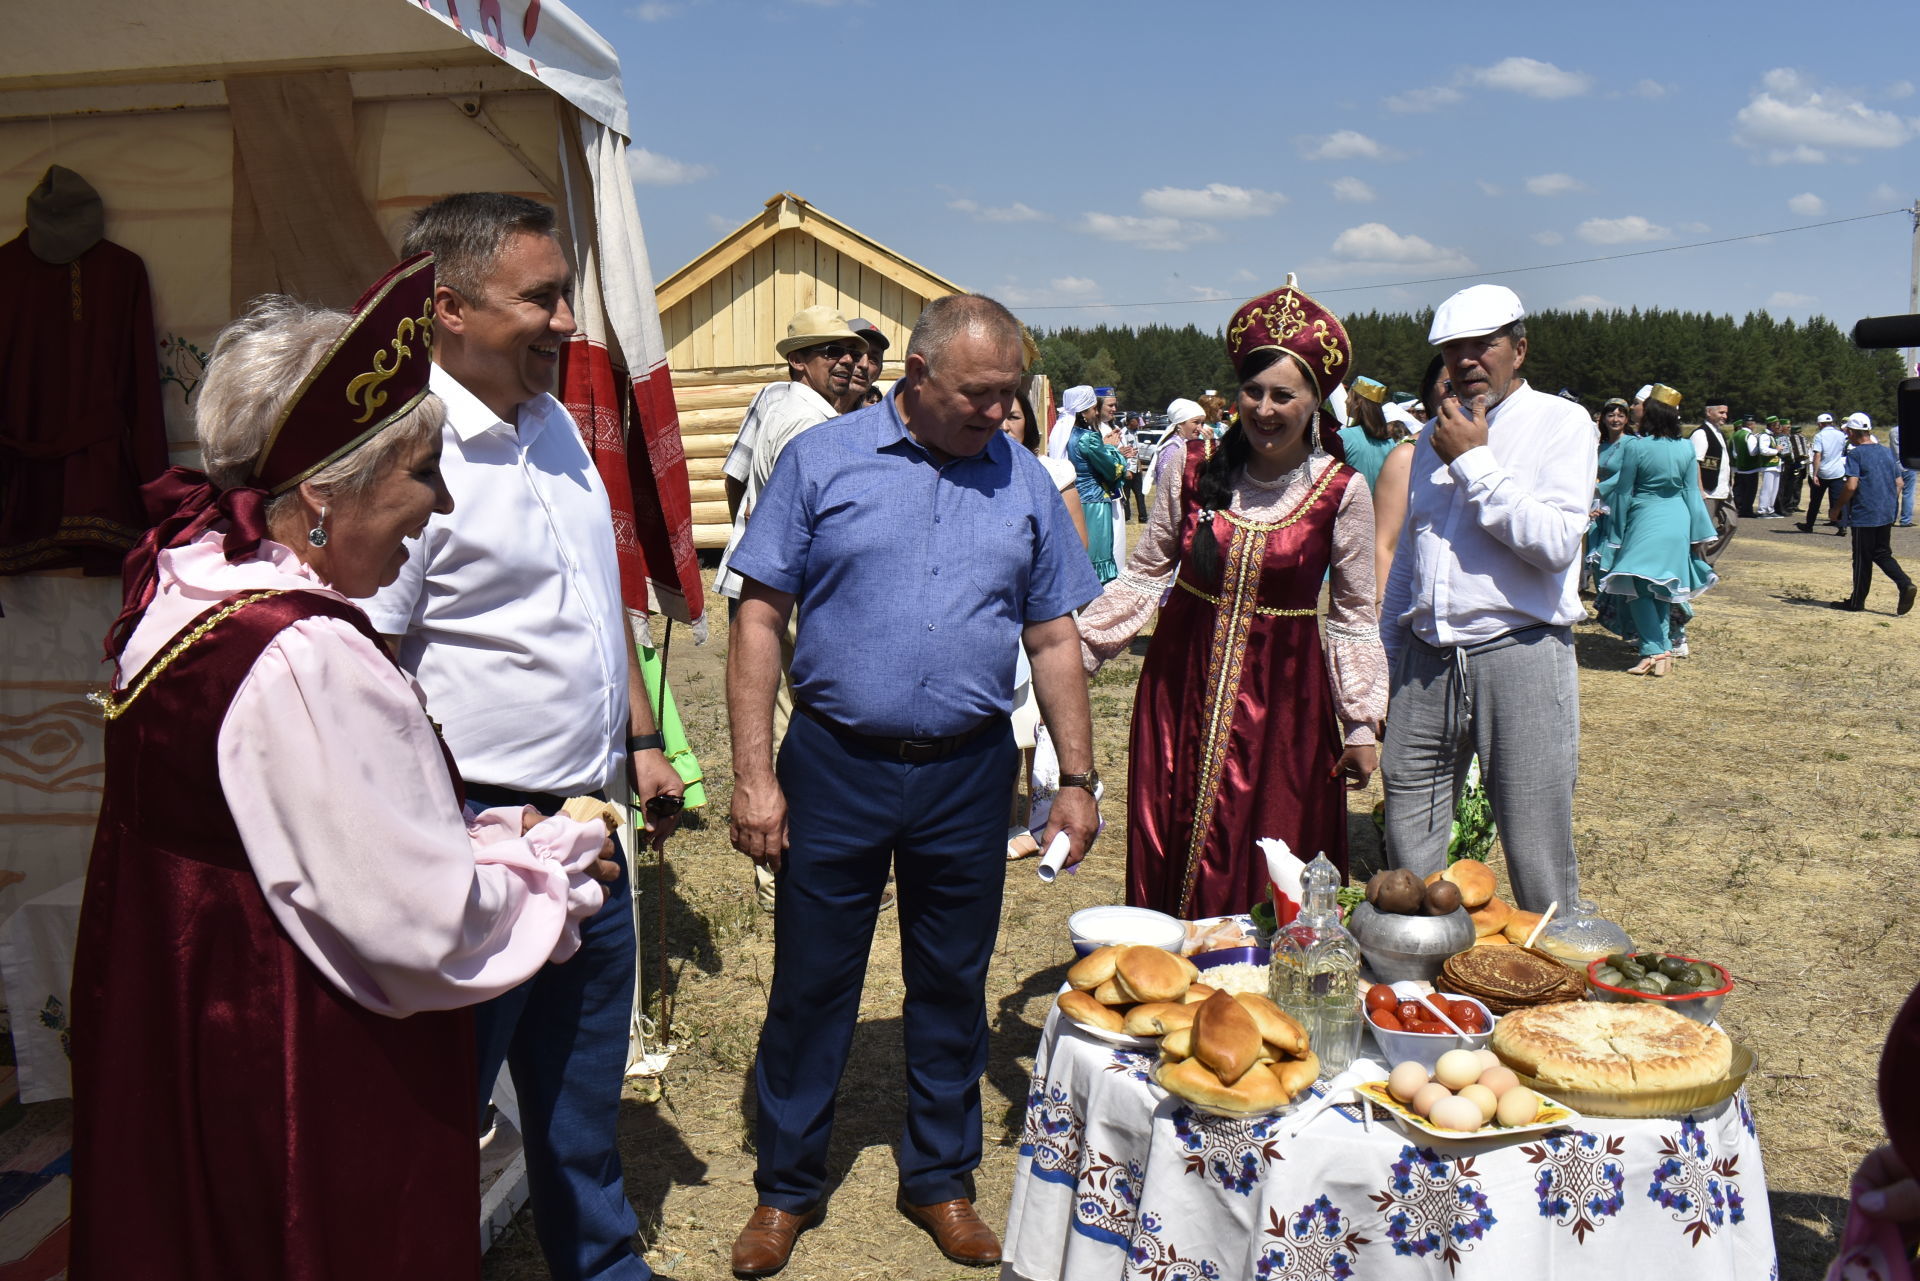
[
  {"x": 1826, "y": 472},
  {"x": 1868, "y": 504},
  {"x": 1477, "y": 620}
]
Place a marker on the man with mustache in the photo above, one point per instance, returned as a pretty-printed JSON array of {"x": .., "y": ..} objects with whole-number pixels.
[{"x": 1477, "y": 620}]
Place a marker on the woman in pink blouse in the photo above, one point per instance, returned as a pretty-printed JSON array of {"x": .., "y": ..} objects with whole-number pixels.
[
  {"x": 1246, "y": 724},
  {"x": 286, "y": 909}
]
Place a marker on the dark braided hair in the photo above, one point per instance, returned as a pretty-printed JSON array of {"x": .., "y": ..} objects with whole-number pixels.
[{"x": 1215, "y": 488}]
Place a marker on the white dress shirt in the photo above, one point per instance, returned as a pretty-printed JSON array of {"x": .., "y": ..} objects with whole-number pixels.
[
  {"x": 1723, "y": 479},
  {"x": 1831, "y": 444},
  {"x": 511, "y": 608},
  {"x": 1492, "y": 540},
  {"x": 779, "y": 413}
]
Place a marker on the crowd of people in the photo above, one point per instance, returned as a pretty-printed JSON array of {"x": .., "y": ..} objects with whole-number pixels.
[{"x": 344, "y": 873}]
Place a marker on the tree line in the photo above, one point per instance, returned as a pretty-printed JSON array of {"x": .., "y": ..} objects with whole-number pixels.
[{"x": 1759, "y": 364}]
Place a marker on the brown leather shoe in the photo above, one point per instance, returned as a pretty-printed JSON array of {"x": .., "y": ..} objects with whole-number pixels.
[
  {"x": 763, "y": 1246},
  {"x": 957, "y": 1230}
]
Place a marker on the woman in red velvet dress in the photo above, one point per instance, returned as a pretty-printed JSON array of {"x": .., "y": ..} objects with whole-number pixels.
[
  {"x": 286, "y": 909},
  {"x": 1247, "y": 724}
]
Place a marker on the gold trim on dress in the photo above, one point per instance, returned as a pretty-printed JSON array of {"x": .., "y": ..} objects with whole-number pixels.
[
  {"x": 113, "y": 708},
  {"x": 1265, "y": 610}
]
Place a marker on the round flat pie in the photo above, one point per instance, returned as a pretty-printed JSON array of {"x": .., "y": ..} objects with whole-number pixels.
[{"x": 1633, "y": 1048}]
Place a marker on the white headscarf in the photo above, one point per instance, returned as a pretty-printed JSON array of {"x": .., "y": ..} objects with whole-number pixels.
[
  {"x": 1073, "y": 402},
  {"x": 1183, "y": 410}
]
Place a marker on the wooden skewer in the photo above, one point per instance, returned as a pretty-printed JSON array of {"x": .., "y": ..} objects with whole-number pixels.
[{"x": 1544, "y": 918}]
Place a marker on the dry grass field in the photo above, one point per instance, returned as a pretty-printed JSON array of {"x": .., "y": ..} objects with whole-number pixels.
[{"x": 1760, "y": 807}]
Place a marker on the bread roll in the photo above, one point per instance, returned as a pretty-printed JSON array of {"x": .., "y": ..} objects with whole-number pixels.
[
  {"x": 1475, "y": 880},
  {"x": 1197, "y": 992},
  {"x": 1258, "y": 1090},
  {"x": 1151, "y": 974},
  {"x": 1519, "y": 925},
  {"x": 585, "y": 809},
  {"x": 1491, "y": 917},
  {"x": 1493, "y": 940},
  {"x": 1277, "y": 1028},
  {"x": 1177, "y": 1044},
  {"x": 1226, "y": 1038},
  {"x": 1109, "y": 993},
  {"x": 1296, "y": 1075},
  {"x": 1083, "y": 1009},
  {"x": 1093, "y": 969},
  {"x": 1157, "y": 1018}
]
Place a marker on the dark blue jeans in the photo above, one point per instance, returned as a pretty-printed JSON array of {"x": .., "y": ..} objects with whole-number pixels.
[
  {"x": 564, "y": 1035},
  {"x": 942, "y": 826}
]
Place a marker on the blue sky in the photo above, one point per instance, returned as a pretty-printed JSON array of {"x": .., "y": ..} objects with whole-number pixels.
[{"x": 1058, "y": 154}]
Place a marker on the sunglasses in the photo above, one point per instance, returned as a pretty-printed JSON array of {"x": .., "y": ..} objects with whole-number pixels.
[{"x": 835, "y": 352}]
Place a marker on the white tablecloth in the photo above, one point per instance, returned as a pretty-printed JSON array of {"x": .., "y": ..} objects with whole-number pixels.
[
  {"x": 36, "y": 965},
  {"x": 1120, "y": 1180}
]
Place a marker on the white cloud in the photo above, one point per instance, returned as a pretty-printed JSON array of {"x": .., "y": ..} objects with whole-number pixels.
[
  {"x": 1693, "y": 228},
  {"x": 1074, "y": 286},
  {"x": 1900, "y": 89},
  {"x": 1208, "y": 293},
  {"x": 1215, "y": 200},
  {"x": 1374, "y": 246},
  {"x": 1352, "y": 191},
  {"x": 1167, "y": 234},
  {"x": 1533, "y": 78},
  {"x": 1243, "y": 275},
  {"x": 722, "y": 223},
  {"x": 1547, "y": 237},
  {"x": 1061, "y": 289},
  {"x": 1554, "y": 184},
  {"x": 653, "y": 11},
  {"x": 1807, "y": 205},
  {"x": 1790, "y": 121},
  {"x": 1631, "y": 230},
  {"x": 1413, "y": 101},
  {"x": 1015, "y": 212},
  {"x": 1648, "y": 89},
  {"x": 1344, "y": 144},
  {"x": 651, "y": 169},
  {"x": 1489, "y": 188},
  {"x": 1884, "y": 194},
  {"x": 1785, "y": 299},
  {"x": 1589, "y": 302}
]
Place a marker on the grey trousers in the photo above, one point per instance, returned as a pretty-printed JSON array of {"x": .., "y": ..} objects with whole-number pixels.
[{"x": 1516, "y": 704}]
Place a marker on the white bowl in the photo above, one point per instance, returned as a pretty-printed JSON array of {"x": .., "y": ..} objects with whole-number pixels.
[
  {"x": 1423, "y": 1048},
  {"x": 1096, "y": 927}
]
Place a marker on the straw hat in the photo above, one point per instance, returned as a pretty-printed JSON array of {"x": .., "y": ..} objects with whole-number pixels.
[{"x": 813, "y": 326}]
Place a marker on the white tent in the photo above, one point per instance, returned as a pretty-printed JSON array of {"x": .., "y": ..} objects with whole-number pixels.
[{"x": 379, "y": 106}]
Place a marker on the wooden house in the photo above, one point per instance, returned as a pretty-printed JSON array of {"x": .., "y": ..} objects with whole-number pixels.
[{"x": 723, "y": 312}]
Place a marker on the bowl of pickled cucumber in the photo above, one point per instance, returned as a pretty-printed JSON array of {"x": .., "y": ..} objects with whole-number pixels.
[{"x": 1684, "y": 984}]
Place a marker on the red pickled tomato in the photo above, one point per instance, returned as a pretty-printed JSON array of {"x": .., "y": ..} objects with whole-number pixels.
[
  {"x": 1385, "y": 1020},
  {"x": 1409, "y": 1012},
  {"x": 1381, "y": 997}
]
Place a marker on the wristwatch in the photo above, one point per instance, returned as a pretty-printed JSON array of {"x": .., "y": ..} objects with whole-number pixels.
[
  {"x": 1088, "y": 780},
  {"x": 654, "y": 742}
]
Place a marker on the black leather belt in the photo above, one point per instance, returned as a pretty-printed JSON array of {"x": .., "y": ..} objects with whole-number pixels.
[
  {"x": 492, "y": 795},
  {"x": 914, "y": 751}
]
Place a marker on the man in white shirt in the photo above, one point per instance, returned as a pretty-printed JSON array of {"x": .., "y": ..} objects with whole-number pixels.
[
  {"x": 1765, "y": 451},
  {"x": 509, "y": 614},
  {"x": 1826, "y": 472},
  {"x": 1710, "y": 451},
  {"x": 1477, "y": 620}
]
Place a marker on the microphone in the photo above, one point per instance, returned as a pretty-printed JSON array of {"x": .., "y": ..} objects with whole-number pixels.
[{"x": 1887, "y": 331}]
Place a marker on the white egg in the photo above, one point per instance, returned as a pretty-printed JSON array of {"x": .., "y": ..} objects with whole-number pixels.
[
  {"x": 1488, "y": 1059},
  {"x": 1482, "y": 1098},
  {"x": 1406, "y": 1080},
  {"x": 1499, "y": 1079},
  {"x": 1456, "y": 1114},
  {"x": 1457, "y": 1068},
  {"x": 1428, "y": 1096},
  {"x": 1518, "y": 1106}
]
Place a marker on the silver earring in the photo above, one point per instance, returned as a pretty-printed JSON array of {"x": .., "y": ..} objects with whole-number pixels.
[{"x": 318, "y": 534}]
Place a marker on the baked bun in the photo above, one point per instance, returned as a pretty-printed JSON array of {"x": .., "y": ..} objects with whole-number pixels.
[
  {"x": 1083, "y": 1009},
  {"x": 1519, "y": 925},
  {"x": 1109, "y": 993},
  {"x": 1151, "y": 973},
  {"x": 1475, "y": 880},
  {"x": 1493, "y": 940},
  {"x": 1157, "y": 1018},
  {"x": 1226, "y": 1038},
  {"x": 1491, "y": 917},
  {"x": 1256, "y": 1090},
  {"x": 1177, "y": 1044},
  {"x": 1198, "y": 992},
  {"x": 1277, "y": 1028},
  {"x": 1093, "y": 969},
  {"x": 1296, "y": 1075}
]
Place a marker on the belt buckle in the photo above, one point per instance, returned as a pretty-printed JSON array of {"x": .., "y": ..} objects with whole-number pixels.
[{"x": 918, "y": 751}]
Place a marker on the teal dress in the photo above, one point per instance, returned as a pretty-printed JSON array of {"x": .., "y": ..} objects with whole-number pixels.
[
  {"x": 1600, "y": 532},
  {"x": 1651, "y": 559},
  {"x": 1365, "y": 454},
  {"x": 1097, "y": 472}
]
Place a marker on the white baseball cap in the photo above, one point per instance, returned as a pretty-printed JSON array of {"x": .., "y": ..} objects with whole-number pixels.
[
  {"x": 1475, "y": 311},
  {"x": 1824, "y": 418},
  {"x": 1859, "y": 422}
]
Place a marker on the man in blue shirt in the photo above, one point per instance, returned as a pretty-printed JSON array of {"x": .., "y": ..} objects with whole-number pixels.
[
  {"x": 1869, "y": 499},
  {"x": 920, "y": 548}
]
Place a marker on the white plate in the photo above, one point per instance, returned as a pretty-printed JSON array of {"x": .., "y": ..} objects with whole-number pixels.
[
  {"x": 1552, "y": 1116},
  {"x": 1120, "y": 1039}
]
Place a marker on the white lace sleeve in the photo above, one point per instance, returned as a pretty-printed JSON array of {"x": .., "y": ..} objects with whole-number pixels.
[{"x": 1356, "y": 663}]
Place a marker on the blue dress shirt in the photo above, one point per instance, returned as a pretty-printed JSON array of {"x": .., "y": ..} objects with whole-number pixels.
[
  {"x": 1874, "y": 501},
  {"x": 913, "y": 579}
]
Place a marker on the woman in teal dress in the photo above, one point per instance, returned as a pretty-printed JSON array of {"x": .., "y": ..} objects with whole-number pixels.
[
  {"x": 1653, "y": 560},
  {"x": 1369, "y": 438},
  {"x": 1600, "y": 534},
  {"x": 1098, "y": 469}
]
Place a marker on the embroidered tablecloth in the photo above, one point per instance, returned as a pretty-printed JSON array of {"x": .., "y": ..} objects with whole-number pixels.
[
  {"x": 1120, "y": 1181},
  {"x": 36, "y": 967}
]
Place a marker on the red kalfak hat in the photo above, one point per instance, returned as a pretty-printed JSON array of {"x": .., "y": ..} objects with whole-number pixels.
[
  {"x": 373, "y": 374},
  {"x": 1289, "y": 321}
]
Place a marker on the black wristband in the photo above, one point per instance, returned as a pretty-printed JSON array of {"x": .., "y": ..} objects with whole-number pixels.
[{"x": 654, "y": 742}]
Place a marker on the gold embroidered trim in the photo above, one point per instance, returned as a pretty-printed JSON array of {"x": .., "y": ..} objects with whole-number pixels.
[
  {"x": 1264, "y": 610},
  {"x": 365, "y": 388},
  {"x": 112, "y": 709}
]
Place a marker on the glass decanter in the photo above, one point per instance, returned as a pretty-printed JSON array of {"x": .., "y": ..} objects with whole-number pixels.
[
  {"x": 1315, "y": 971},
  {"x": 1582, "y": 935}
]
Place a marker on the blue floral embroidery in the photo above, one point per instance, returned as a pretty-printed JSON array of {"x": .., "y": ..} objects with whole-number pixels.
[
  {"x": 1582, "y": 1179},
  {"x": 1435, "y": 1206},
  {"x": 1315, "y": 1243},
  {"x": 1699, "y": 1190}
]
